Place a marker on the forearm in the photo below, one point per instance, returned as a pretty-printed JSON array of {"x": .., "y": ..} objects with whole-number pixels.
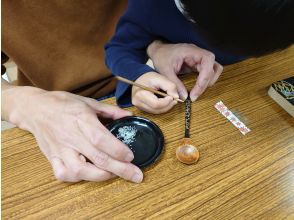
[
  {"x": 126, "y": 62},
  {"x": 125, "y": 53},
  {"x": 130, "y": 65},
  {"x": 7, "y": 99},
  {"x": 126, "y": 56}
]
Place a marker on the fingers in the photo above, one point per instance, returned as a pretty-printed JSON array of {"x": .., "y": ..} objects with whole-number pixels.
[
  {"x": 63, "y": 137},
  {"x": 60, "y": 171},
  {"x": 99, "y": 136},
  {"x": 161, "y": 82},
  {"x": 73, "y": 168},
  {"x": 147, "y": 101},
  {"x": 150, "y": 103},
  {"x": 78, "y": 169},
  {"x": 159, "y": 111},
  {"x": 171, "y": 74},
  {"x": 70, "y": 167},
  {"x": 173, "y": 59},
  {"x": 180, "y": 86},
  {"x": 102, "y": 139},
  {"x": 105, "y": 110},
  {"x": 206, "y": 73},
  {"x": 218, "y": 69},
  {"x": 203, "y": 82},
  {"x": 106, "y": 142},
  {"x": 105, "y": 162}
]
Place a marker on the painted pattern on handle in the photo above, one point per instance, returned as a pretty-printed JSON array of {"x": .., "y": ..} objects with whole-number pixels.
[{"x": 187, "y": 117}]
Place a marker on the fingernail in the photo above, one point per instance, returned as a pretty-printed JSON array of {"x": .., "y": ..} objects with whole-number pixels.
[
  {"x": 129, "y": 157},
  {"x": 130, "y": 113},
  {"x": 194, "y": 98},
  {"x": 183, "y": 95},
  {"x": 137, "y": 178}
]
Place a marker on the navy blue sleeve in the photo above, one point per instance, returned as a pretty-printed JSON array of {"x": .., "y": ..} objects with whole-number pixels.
[{"x": 125, "y": 54}]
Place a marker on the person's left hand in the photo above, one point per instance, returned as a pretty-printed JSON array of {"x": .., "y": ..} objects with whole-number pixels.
[{"x": 171, "y": 60}]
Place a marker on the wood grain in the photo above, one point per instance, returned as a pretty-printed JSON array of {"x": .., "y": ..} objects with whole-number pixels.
[{"x": 237, "y": 177}]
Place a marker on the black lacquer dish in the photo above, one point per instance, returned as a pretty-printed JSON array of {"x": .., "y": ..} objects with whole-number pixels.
[{"x": 142, "y": 136}]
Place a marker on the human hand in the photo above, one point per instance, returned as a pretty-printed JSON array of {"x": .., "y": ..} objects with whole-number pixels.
[
  {"x": 171, "y": 60},
  {"x": 147, "y": 101},
  {"x": 68, "y": 131}
]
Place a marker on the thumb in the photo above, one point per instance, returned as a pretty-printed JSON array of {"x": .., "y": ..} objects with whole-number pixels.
[
  {"x": 107, "y": 111},
  {"x": 180, "y": 86}
]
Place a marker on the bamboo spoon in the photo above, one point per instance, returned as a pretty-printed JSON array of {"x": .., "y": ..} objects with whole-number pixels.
[
  {"x": 187, "y": 153},
  {"x": 145, "y": 87}
]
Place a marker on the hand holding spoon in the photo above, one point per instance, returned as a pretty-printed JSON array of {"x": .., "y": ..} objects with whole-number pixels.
[{"x": 187, "y": 153}]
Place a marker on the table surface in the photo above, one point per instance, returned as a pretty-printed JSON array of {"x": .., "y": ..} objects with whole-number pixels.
[{"x": 236, "y": 177}]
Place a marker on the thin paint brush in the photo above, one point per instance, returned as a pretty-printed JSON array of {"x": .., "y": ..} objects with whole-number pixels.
[{"x": 145, "y": 88}]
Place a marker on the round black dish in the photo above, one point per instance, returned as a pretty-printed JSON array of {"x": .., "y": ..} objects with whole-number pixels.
[{"x": 145, "y": 138}]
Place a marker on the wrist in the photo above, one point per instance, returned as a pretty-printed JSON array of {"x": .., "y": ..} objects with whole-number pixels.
[
  {"x": 153, "y": 47},
  {"x": 16, "y": 104}
]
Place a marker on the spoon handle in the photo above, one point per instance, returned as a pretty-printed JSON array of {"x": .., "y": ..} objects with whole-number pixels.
[{"x": 187, "y": 117}]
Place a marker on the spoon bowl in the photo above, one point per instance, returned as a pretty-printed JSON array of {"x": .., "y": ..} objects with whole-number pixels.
[{"x": 187, "y": 154}]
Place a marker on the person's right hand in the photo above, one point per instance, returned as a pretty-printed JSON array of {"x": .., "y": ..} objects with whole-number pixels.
[
  {"x": 149, "y": 102},
  {"x": 68, "y": 131}
]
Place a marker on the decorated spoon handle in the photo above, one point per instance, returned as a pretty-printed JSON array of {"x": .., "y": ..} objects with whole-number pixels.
[{"x": 187, "y": 117}]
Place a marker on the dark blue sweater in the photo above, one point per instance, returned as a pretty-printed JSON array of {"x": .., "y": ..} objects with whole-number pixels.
[{"x": 143, "y": 22}]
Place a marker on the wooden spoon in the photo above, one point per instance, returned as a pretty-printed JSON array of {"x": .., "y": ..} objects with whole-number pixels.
[{"x": 187, "y": 153}]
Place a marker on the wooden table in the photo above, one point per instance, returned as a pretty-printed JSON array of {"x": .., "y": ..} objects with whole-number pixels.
[{"x": 248, "y": 177}]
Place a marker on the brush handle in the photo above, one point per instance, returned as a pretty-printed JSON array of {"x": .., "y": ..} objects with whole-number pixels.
[
  {"x": 145, "y": 87},
  {"x": 187, "y": 117}
]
